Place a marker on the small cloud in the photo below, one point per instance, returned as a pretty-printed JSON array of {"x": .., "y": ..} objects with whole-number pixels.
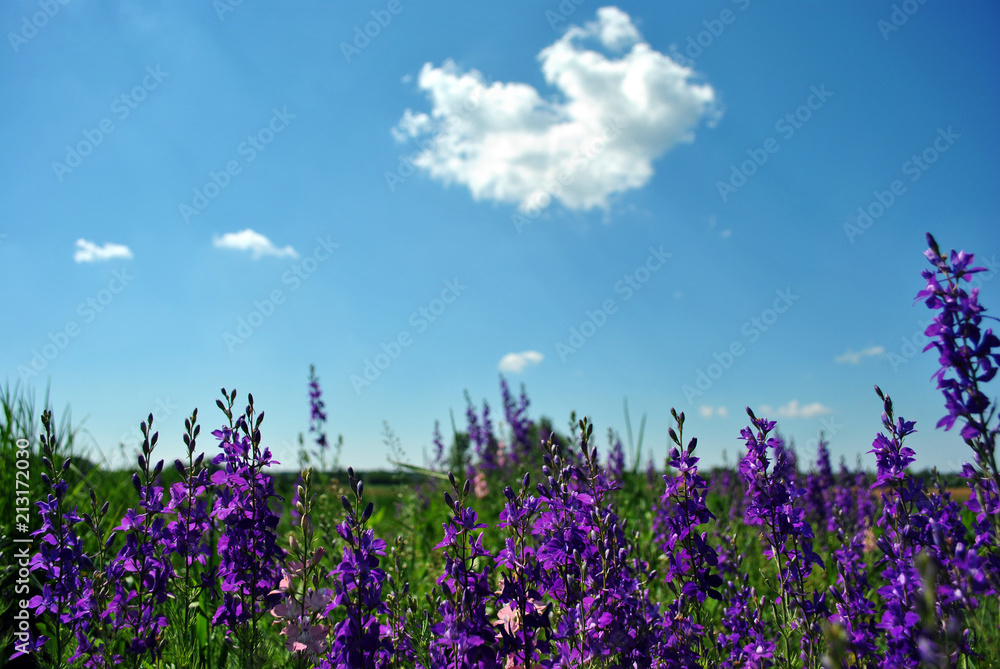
[
  {"x": 708, "y": 411},
  {"x": 90, "y": 252},
  {"x": 854, "y": 357},
  {"x": 794, "y": 410},
  {"x": 726, "y": 234},
  {"x": 257, "y": 244},
  {"x": 516, "y": 362},
  {"x": 678, "y": 294}
]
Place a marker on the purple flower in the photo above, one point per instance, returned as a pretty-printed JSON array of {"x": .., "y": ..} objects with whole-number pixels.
[
  {"x": 360, "y": 641},
  {"x": 616, "y": 457},
  {"x": 771, "y": 498},
  {"x": 820, "y": 489},
  {"x": 136, "y": 606},
  {"x": 317, "y": 413},
  {"x": 904, "y": 532},
  {"x": 439, "y": 452},
  {"x": 968, "y": 358},
  {"x": 250, "y": 558},
  {"x": 515, "y": 414},
  {"x": 523, "y": 614},
  {"x": 464, "y": 635},
  {"x": 692, "y": 574},
  {"x": 966, "y": 353},
  {"x": 588, "y": 567},
  {"x": 853, "y": 610},
  {"x": 481, "y": 436},
  {"x": 60, "y": 559}
]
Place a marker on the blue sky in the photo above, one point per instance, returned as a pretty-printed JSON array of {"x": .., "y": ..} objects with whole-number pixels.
[{"x": 700, "y": 205}]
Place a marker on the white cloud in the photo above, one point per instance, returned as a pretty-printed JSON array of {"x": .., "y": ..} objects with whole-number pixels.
[
  {"x": 708, "y": 411},
  {"x": 612, "y": 118},
  {"x": 257, "y": 244},
  {"x": 854, "y": 357},
  {"x": 516, "y": 362},
  {"x": 794, "y": 410},
  {"x": 90, "y": 252}
]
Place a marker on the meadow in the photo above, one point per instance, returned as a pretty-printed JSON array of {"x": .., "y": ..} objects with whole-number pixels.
[{"x": 519, "y": 544}]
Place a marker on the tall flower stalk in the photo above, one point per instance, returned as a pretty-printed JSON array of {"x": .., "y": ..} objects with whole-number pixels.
[
  {"x": 692, "y": 573},
  {"x": 589, "y": 568},
  {"x": 465, "y": 638},
  {"x": 771, "y": 502},
  {"x": 142, "y": 570},
  {"x": 904, "y": 526},
  {"x": 524, "y": 617},
  {"x": 360, "y": 641},
  {"x": 969, "y": 357},
  {"x": 190, "y": 529},
  {"x": 302, "y": 611},
  {"x": 250, "y": 556},
  {"x": 60, "y": 558}
]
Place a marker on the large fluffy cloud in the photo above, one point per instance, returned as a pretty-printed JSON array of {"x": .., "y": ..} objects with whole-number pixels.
[{"x": 614, "y": 115}]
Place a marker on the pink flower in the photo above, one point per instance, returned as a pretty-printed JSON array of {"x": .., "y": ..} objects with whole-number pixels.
[{"x": 480, "y": 487}]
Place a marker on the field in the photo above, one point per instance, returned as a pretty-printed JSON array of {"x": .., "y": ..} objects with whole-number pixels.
[{"x": 520, "y": 545}]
